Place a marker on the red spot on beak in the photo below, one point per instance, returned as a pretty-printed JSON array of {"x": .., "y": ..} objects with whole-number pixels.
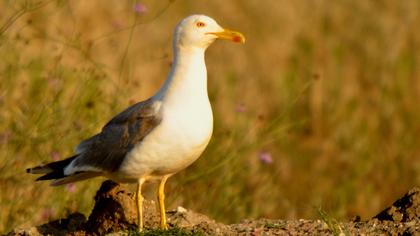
[{"x": 237, "y": 39}]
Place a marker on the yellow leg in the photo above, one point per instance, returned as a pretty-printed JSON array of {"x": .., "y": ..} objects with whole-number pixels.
[
  {"x": 161, "y": 198},
  {"x": 139, "y": 201}
]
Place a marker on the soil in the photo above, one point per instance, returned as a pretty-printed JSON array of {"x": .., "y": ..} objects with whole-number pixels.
[{"x": 115, "y": 213}]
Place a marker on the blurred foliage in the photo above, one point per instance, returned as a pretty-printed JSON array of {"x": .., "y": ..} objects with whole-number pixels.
[{"x": 318, "y": 109}]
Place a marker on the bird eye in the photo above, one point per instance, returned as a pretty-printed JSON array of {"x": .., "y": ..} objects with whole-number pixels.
[{"x": 200, "y": 24}]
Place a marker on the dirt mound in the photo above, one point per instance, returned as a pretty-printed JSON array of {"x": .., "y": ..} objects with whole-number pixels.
[
  {"x": 405, "y": 209},
  {"x": 115, "y": 212}
]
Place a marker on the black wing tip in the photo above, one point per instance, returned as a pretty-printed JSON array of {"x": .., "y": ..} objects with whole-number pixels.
[
  {"x": 37, "y": 170},
  {"x": 52, "y": 167},
  {"x": 51, "y": 176}
]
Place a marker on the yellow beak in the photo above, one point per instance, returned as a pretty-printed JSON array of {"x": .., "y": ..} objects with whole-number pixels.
[{"x": 231, "y": 35}]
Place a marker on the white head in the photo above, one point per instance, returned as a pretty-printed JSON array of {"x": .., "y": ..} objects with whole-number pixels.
[{"x": 199, "y": 31}]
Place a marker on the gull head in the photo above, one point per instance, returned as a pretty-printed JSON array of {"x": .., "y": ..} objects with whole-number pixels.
[{"x": 199, "y": 31}]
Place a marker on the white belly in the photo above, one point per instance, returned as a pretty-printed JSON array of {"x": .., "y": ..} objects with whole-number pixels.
[{"x": 177, "y": 142}]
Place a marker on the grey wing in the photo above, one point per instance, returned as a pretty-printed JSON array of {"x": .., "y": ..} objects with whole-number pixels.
[
  {"x": 148, "y": 108},
  {"x": 85, "y": 144},
  {"x": 135, "y": 112},
  {"x": 106, "y": 150}
]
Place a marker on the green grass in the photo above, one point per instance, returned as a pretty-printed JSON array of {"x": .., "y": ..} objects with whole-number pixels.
[
  {"x": 275, "y": 226},
  {"x": 329, "y": 89},
  {"x": 332, "y": 224}
]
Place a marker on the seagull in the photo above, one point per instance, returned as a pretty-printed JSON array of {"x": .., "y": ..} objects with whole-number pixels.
[{"x": 158, "y": 137}]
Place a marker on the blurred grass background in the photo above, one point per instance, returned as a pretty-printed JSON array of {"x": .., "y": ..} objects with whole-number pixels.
[{"x": 320, "y": 108}]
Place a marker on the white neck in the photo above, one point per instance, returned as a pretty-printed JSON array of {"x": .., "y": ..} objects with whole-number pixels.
[{"x": 188, "y": 76}]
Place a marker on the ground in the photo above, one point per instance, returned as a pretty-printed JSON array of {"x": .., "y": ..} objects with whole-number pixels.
[{"x": 114, "y": 213}]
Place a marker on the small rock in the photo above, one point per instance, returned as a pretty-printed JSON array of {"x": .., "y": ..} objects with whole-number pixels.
[{"x": 180, "y": 209}]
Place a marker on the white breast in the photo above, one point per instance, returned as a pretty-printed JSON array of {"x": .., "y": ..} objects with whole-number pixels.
[
  {"x": 176, "y": 143},
  {"x": 186, "y": 126}
]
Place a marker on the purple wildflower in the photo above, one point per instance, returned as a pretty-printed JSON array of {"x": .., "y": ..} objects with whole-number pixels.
[
  {"x": 55, "y": 156},
  {"x": 71, "y": 187},
  {"x": 240, "y": 108},
  {"x": 265, "y": 157},
  {"x": 140, "y": 8},
  {"x": 117, "y": 25},
  {"x": 47, "y": 213}
]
